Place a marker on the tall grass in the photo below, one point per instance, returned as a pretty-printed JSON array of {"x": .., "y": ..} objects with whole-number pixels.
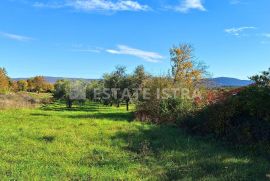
[
  {"x": 95, "y": 142},
  {"x": 23, "y": 100}
]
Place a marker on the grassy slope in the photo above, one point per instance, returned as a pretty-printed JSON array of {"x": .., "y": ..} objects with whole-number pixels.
[{"x": 101, "y": 143}]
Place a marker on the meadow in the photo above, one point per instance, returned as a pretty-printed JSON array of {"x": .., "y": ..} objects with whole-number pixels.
[{"x": 96, "y": 142}]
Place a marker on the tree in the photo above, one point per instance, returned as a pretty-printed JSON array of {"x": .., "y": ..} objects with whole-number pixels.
[
  {"x": 39, "y": 84},
  {"x": 184, "y": 70},
  {"x": 109, "y": 84},
  {"x": 91, "y": 87},
  {"x": 139, "y": 76},
  {"x": 263, "y": 79},
  {"x": 172, "y": 97},
  {"x": 30, "y": 85},
  {"x": 120, "y": 85},
  {"x": 126, "y": 89},
  {"x": 48, "y": 87},
  {"x": 59, "y": 89},
  {"x": 76, "y": 91},
  {"x": 113, "y": 82},
  {"x": 22, "y": 85},
  {"x": 14, "y": 86},
  {"x": 70, "y": 91},
  {"x": 4, "y": 81},
  {"x": 120, "y": 76}
]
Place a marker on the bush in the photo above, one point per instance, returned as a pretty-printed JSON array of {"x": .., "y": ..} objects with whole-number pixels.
[
  {"x": 241, "y": 118},
  {"x": 172, "y": 109},
  {"x": 175, "y": 109}
]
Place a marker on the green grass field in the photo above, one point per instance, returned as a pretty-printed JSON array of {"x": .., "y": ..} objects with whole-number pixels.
[{"x": 94, "y": 142}]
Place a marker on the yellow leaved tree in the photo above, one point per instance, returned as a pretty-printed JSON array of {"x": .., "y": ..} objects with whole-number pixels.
[
  {"x": 4, "y": 81},
  {"x": 185, "y": 71}
]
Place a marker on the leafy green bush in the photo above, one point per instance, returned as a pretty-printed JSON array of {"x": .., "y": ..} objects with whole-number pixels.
[
  {"x": 163, "y": 107},
  {"x": 175, "y": 109}
]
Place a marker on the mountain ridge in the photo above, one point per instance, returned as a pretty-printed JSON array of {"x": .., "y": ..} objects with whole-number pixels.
[
  {"x": 216, "y": 82},
  {"x": 230, "y": 82},
  {"x": 52, "y": 79}
]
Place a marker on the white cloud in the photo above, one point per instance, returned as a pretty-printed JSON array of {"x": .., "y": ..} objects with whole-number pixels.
[
  {"x": 100, "y": 5},
  {"x": 238, "y": 31},
  {"x": 145, "y": 55},
  {"x": 188, "y": 5},
  {"x": 96, "y": 5},
  {"x": 15, "y": 37}
]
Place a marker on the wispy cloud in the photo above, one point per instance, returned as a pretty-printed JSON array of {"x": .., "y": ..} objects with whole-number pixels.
[
  {"x": 86, "y": 49},
  {"x": 53, "y": 5},
  {"x": 266, "y": 35},
  {"x": 266, "y": 38},
  {"x": 265, "y": 42},
  {"x": 95, "y": 5},
  {"x": 145, "y": 55},
  {"x": 188, "y": 5},
  {"x": 121, "y": 5},
  {"x": 235, "y": 2},
  {"x": 238, "y": 2},
  {"x": 238, "y": 31},
  {"x": 15, "y": 37}
]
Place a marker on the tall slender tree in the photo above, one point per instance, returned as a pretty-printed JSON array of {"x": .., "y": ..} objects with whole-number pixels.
[
  {"x": 4, "y": 81},
  {"x": 184, "y": 70}
]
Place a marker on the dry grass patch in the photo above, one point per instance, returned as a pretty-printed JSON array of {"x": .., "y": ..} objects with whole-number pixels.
[{"x": 23, "y": 100}]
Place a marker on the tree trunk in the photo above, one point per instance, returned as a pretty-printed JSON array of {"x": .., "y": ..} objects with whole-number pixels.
[
  {"x": 127, "y": 104},
  {"x": 69, "y": 103}
]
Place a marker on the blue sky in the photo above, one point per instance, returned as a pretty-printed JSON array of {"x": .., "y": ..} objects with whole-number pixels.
[{"x": 85, "y": 38}]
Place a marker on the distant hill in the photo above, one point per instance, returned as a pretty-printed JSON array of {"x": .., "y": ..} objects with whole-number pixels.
[
  {"x": 54, "y": 79},
  {"x": 229, "y": 82},
  {"x": 216, "y": 82}
]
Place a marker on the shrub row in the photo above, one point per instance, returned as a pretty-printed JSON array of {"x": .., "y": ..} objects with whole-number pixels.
[{"x": 243, "y": 117}]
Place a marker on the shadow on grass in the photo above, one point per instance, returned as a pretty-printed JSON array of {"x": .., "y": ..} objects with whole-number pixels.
[
  {"x": 88, "y": 111},
  {"x": 61, "y": 107},
  {"x": 40, "y": 114},
  {"x": 117, "y": 116},
  {"x": 47, "y": 139},
  {"x": 184, "y": 157},
  {"x": 88, "y": 107}
]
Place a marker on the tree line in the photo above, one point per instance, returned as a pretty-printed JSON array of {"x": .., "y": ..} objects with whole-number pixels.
[
  {"x": 119, "y": 86},
  {"x": 182, "y": 97},
  {"x": 36, "y": 84}
]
